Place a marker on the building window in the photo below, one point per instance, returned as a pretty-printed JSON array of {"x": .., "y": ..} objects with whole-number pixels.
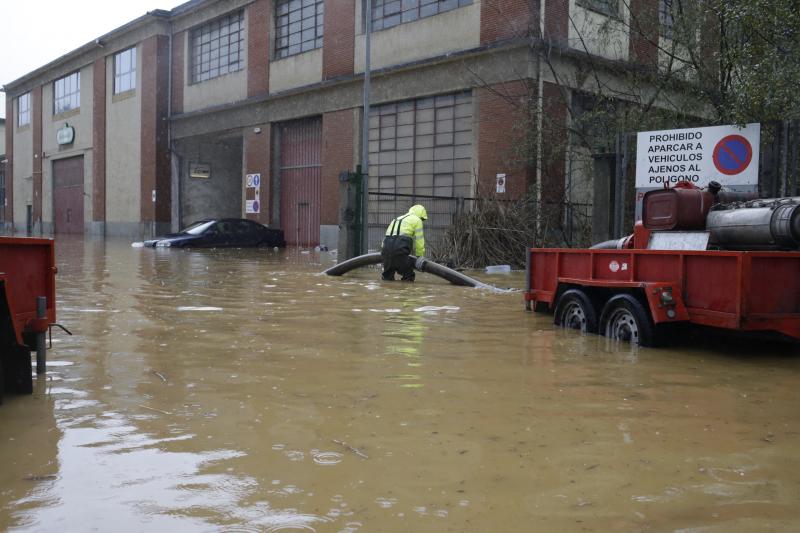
[
  {"x": 298, "y": 26},
  {"x": 389, "y": 13},
  {"x": 24, "y": 110},
  {"x": 67, "y": 93},
  {"x": 125, "y": 71},
  {"x": 422, "y": 146},
  {"x": 666, "y": 16},
  {"x": 217, "y": 47},
  {"x": 606, "y": 7}
]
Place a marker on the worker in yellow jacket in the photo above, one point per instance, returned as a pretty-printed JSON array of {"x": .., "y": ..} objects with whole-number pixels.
[{"x": 403, "y": 235}]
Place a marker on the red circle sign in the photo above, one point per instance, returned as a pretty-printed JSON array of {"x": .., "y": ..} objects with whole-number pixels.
[{"x": 732, "y": 154}]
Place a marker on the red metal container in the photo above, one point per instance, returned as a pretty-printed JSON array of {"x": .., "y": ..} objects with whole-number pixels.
[
  {"x": 28, "y": 268},
  {"x": 677, "y": 208}
]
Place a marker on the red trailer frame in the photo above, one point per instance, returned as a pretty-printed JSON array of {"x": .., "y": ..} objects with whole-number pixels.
[
  {"x": 743, "y": 291},
  {"x": 27, "y": 272}
]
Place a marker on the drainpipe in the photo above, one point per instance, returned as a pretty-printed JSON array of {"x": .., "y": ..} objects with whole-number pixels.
[{"x": 365, "y": 137}]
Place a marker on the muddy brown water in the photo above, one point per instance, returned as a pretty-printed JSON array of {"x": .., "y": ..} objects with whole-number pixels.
[{"x": 240, "y": 390}]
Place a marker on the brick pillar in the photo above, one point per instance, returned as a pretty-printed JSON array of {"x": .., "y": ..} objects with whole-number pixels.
[
  {"x": 155, "y": 160},
  {"x": 36, "y": 131},
  {"x": 556, "y": 21},
  {"x": 501, "y": 107},
  {"x": 258, "y": 36},
  {"x": 99, "y": 141},
  {"x": 554, "y": 125},
  {"x": 644, "y": 32},
  {"x": 338, "y": 138},
  {"x": 257, "y": 157},
  {"x": 11, "y": 125},
  {"x": 178, "y": 68},
  {"x": 506, "y": 19},
  {"x": 338, "y": 51}
]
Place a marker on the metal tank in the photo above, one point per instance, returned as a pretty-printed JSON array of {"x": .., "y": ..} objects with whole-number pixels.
[{"x": 756, "y": 225}]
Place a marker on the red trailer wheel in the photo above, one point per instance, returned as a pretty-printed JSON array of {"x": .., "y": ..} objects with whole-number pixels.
[
  {"x": 576, "y": 311},
  {"x": 625, "y": 319}
]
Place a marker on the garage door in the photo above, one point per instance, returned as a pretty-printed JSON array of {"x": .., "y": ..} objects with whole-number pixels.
[
  {"x": 300, "y": 168},
  {"x": 68, "y": 195}
]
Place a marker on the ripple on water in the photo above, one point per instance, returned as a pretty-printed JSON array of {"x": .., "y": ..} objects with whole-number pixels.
[
  {"x": 327, "y": 458},
  {"x": 386, "y": 503}
]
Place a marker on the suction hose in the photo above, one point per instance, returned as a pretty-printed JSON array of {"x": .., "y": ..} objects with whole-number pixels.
[{"x": 421, "y": 264}]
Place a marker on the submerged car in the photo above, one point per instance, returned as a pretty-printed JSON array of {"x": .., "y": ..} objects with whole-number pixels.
[{"x": 238, "y": 232}]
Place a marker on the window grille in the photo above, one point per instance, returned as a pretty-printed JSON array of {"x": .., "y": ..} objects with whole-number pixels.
[
  {"x": 23, "y": 111},
  {"x": 422, "y": 146},
  {"x": 298, "y": 26},
  {"x": 125, "y": 71},
  {"x": 67, "y": 93},
  {"x": 607, "y": 7},
  {"x": 218, "y": 47},
  {"x": 389, "y": 13}
]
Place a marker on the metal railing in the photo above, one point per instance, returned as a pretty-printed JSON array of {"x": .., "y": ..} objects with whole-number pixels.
[{"x": 383, "y": 207}]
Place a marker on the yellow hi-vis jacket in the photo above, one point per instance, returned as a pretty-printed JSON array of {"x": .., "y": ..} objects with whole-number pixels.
[{"x": 410, "y": 225}]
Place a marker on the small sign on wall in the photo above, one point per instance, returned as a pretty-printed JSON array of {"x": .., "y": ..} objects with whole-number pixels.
[
  {"x": 252, "y": 194},
  {"x": 501, "y": 184},
  {"x": 199, "y": 170}
]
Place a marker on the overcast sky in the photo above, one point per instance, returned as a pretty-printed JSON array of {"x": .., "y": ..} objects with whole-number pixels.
[{"x": 35, "y": 32}]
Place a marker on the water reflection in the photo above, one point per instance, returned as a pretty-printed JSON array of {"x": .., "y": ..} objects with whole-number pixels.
[{"x": 239, "y": 390}]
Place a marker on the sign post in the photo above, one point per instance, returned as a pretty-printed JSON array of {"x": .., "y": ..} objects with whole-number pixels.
[{"x": 726, "y": 154}]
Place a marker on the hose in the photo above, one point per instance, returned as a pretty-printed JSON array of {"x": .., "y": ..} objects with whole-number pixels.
[{"x": 421, "y": 264}]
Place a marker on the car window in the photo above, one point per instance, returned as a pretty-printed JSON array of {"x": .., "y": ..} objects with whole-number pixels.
[
  {"x": 246, "y": 227},
  {"x": 198, "y": 227}
]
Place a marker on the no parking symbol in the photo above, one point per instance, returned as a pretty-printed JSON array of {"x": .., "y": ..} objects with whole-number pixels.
[{"x": 732, "y": 155}]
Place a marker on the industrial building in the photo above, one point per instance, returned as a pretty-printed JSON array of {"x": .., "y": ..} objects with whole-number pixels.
[{"x": 254, "y": 108}]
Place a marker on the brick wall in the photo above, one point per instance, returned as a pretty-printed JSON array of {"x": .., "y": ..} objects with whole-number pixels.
[
  {"x": 556, "y": 21},
  {"x": 499, "y": 109},
  {"x": 257, "y": 157},
  {"x": 258, "y": 36},
  {"x": 506, "y": 19},
  {"x": 554, "y": 137},
  {"x": 99, "y": 141},
  {"x": 155, "y": 159},
  {"x": 11, "y": 125},
  {"x": 338, "y": 136},
  {"x": 178, "y": 59},
  {"x": 339, "y": 44},
  {"x": 644, "y": 32}
]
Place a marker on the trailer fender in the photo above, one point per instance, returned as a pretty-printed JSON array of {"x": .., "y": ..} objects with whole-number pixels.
[{"x": 665, "y": 303}]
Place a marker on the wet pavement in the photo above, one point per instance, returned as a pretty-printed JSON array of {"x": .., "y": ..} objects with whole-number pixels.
[{"x": 240, "y": 390}]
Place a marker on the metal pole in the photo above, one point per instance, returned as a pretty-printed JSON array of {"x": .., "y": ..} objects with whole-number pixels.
[
  {"x": 617, "y": 226},
  {"x": 41, "y": 347},
  {"x": 365, "y": 137}
]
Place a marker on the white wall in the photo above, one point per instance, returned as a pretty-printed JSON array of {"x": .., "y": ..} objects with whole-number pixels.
[
  {"x": 451, "y": 31},
  {"x": 123, "y": 147}
]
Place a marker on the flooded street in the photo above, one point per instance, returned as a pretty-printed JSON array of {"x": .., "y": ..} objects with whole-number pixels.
[{"x": 241, "y": 390}]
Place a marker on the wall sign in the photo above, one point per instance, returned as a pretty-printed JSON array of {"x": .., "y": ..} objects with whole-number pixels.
[
  {"x": 65, "y": 134},
  {"x": 501, "y": 184},
  {"x": 199, "y": 170},
  {"x": 726, "y": 154},
  {"x": 252, "y": 193}
]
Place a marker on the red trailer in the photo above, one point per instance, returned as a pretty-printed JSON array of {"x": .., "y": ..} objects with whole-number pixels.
[
  {"x": 27, "y": 308},
  {"x": 631, "y": 294}
]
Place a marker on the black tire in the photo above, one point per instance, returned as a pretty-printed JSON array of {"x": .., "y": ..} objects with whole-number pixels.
[
  {"x": 541, "y": 307},
  {"x": 624, "y": 318},
  {"x": 576, "y": 311}
]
